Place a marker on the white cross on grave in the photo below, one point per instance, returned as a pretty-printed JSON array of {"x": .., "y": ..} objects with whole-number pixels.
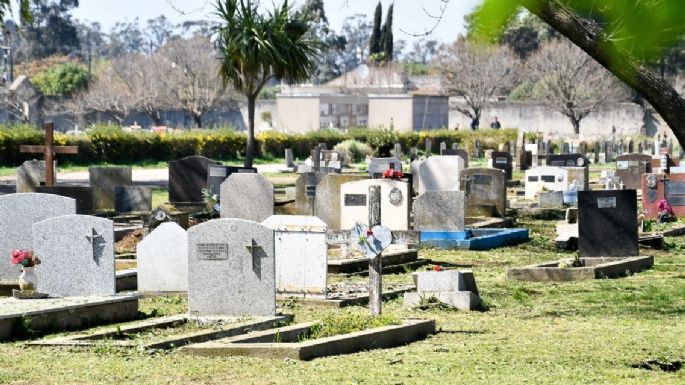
[{"x": 91, "y": 238}]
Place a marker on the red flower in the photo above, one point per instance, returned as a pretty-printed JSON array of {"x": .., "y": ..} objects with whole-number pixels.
[
  {"x": 437, "y": 268},
  {"x": 369, "y": 232},
  {"x": 393, "y": 174},
  {"x": 24, "y": 258}
]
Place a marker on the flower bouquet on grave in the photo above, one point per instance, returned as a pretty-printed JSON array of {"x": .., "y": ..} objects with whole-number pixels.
[
  {"x": 212, "y": 203},
  {"x": 393, "y": 174},
  {"x": 27, "y": 260}
]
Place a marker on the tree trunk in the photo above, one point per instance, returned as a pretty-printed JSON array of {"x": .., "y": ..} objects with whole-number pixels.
[
  {"x": 249, "y": 151},
  {"x": 198, "y": 120},
  {"x": 592, "y": 39},
  {"x": 576, "y": 124}
]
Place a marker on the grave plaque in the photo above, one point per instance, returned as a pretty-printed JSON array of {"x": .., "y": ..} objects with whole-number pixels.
[
  {"x": 18, "y": 213},
  {"x": 247, "y": 196},
  {"x": 103, "y": 180},
  {"x": 486, "y": 193},
  {"x": 568, "y": 160},
  {"x": 607, "y": 223},
  {"x": 502, "y": 160},
  {"x": 163, "y": 260},
  {"x": 187, "y": 178},
  {"x": 630, "y": 167},
  {"x": 77, "y": 256},
  {"x": 395, "y": 203},
  {"x": 231, "y": 269},
  {"x": 216, "y": 175}
]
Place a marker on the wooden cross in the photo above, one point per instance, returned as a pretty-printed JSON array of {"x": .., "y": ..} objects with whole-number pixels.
[{"x": 49, "y": 150}]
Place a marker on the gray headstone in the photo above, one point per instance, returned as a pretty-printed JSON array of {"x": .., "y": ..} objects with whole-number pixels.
[
  {"x": 327, "y": 200},
  {"x": 103, "y": 180},
  {"x": 439, "y": 211},
  {"x": 486, "y": 192},
  {"x": 163, "y": 260},
  {"x": 30, "y": 175},
  {"x": 247, "y": 196},
  {"x": 132, "y": 198},
  {"x": 289, "y": 158},
  {"x": 231, "y": 269},
  {"x": 305, "y": 192},
  {"x": 551, "y": 199},
  {"x": 18, "y": 212},
  {"x": 77, "y": 256}
]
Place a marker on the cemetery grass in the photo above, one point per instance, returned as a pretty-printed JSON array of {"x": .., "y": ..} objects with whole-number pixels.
[{"x": 591, "y": 332}]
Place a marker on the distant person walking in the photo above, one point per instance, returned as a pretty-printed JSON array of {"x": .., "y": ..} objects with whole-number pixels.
[
  {"x": 475, "y": 123},
  {"x": 495, "y": 124}
]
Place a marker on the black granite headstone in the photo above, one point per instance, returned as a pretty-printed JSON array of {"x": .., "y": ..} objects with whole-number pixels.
[
  {"x": 82, "y": 195},
  {"x": 132, "y": 199},
  {"x": 607, "y": 223},
  {"x": 216, "y": 175},
  {"x": 187, "y": 178},
  {"x": 502, "y": 160},
  {"x": 568, "y": 160}
]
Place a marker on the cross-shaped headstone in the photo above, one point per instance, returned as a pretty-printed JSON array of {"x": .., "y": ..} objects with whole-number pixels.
[{"x": 49, "y": 150}]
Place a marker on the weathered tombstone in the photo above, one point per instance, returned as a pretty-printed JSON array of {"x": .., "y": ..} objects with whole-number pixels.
[
  {"x": 413, "y": 153},
  {"x": 440, "y": 173},
  {"x": 163, "y": 260},
  {"x": 327, "y": 200},
  {"x": 305, "y": 192},
  {"x": 289, "y": 158},
  {"x": 103, "y": 180},
  {"x": 429, "y": 147},
  {"x": 455, "y": 288},
  {"x": 551, "y": 199},
  {"x": 414, "y": 167},
  {"x": 132, "y": 198},
  {"x": 397, "y": 151},
  {"x": 301, "y": 254},
  {"x": 439, "y": 211},
  {"x": 247, "y": 196},
  {"x": 395, "y": 203},
  {"x": 379, "y": 165},
  {"x": 568, "y": 160},
  {"x": 630, "y": 167},
  {"x": 486, "y": 192},
  {"x": 545, "y": 179},
  {"x": 77, "y": 256},
  {"x": 524, "y": 160},
  {"x": 631, "y": 147},
  {"x": 81, "y": 194},
  {"x": 443, "y": 147},
  {"x": 607, "y": 223},
  {"x": 49, "y": 150},
  {"x": 216, "y": 175},
  {"x": 457, "y": 152},
  {"x": 580, "y": 175},
  {"x": 30, "y": 175},
  {"x": 18, "y": 212},
  {"x": 501, "y": 160},
  {"x": 187, "y": 179},
  {"x": 231, "y": 269}
]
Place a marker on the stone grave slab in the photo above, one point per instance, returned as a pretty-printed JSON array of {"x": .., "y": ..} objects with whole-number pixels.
[
  {"x": 607, "y": 223},
  {"x": 18, "y": 213},
  {"x": 474, "y": 238},
  {"x": 231, "y": 269},
  {"x": 439, "y": 211},
  {"x": 247, "y": 196},
  {"x": 630, "y": 167},
  {"x": 216, "y": 175},
  {"x": 379, "y": 165},
  {"x": 187, "y": 178},
  {"x": 545, "y": 179},
  {"x": 453, "y": 287},
  {"x": 658, "y": 187},
  {"x": 592, "y": 268},
  {"x": 103, "y": 180},
  {"x": 77, "y": 256},
  {"x": 301, "y": 254},
  {"x": 327, "y": 200},
  {"x": 132, "y": 199},
  {"x": 395, "y": 201},
  {"x": 440, "y": 173},
  {"x": 30, "y": 175},
  {"x": 486, "y": 192},
  {"x": 502, "y": 160},
  {"x": 82, "y": 195},
  {"x": 163, "y": 260}
]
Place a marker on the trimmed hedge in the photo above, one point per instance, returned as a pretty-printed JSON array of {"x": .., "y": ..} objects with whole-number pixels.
[{"x": 109, "y": 144}]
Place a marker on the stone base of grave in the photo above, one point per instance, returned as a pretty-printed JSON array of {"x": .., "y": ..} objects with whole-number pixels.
[
  {"x": 394, "y": 261},
  {"x": 37, "y": 316},
  {"x": 230, "y": 327},
  {"x": 462, "y": 300},
  {"x": 473, "y": 239},
  {"x": 262, "y": 345},
  {"x": 340, "y": 300},
  {"x": 120, "y": 231},
  {"x": 593, "y": 268},
  {"x": 488, "y": 223},
  {"x": 127, "y": 280}
]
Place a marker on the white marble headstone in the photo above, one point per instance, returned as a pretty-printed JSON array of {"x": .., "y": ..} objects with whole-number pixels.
[
  {"x": 395, "y": 201},
  {"x": 163, "y": 260},
  {"x": 545, "y": 178}
]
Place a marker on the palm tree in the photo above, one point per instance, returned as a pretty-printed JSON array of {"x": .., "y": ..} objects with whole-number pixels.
[{"x": 253, "y": 48}]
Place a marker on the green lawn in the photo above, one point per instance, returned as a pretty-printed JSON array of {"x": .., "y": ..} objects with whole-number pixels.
[{"x": 536, "y": 333}]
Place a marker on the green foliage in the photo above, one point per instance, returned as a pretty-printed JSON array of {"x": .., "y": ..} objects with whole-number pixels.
[
  {"x": 376, "y": 35},
  {"x": 344, "y": 322},
  {"x": 62, "y": 80},
  {"x": 416, "y": 68},
  {"x": 523, "y": 91},
  {"x": 356, "y": 151},
  {"x": 269, "y": 92}
]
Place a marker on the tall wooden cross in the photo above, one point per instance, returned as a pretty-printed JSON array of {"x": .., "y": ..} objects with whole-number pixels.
[{"x": 49, "y": 150}]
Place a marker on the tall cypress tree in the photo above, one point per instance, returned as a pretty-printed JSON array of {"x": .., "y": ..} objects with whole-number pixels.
[
  {"x": 375, "y": 42},
  {"x": 387, "y": 36}
]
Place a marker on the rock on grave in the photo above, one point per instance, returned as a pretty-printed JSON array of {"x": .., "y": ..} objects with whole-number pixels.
[
  {"x": 247, "y": 196},
  {"x": 163, "y": 260},
  {"x": 77, "y": 256},
  {"x": 630, "y": 167},
  {"x": 30, "y": 175},
  {"x": 486, "y": 192},
  {"x": 187, "y": 178},
  {"x": 545, "y": 179},
  {"x": 379, "y": 165},
  {"x": 440, "y": 173},
  {"x": 18, "y": 212},
  {"x": 132, "y": 198},
  {"x": 231, "y": 269},
  {"x": 82, "y": 195},
  {"x": 301, "y": 253},
  {"x": 103, "y": 180},
  {"x": 439, "y": 211},
  {"x": 395, "y": 201},
  {"x": 607, "y": 223},
  {"x": 327, "y": 200}
]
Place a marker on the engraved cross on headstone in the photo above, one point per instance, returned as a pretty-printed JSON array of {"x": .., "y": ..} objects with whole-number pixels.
[
  {"x": 92, "y": 239},
  {"x": 49, "y": 150},
  {"x": 253, "y": 247}
]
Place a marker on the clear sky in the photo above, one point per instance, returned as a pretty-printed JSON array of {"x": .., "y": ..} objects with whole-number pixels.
[{"x": 411, "y": 16}]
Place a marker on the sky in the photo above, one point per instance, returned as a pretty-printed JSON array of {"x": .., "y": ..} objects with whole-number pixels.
[{"x": 410, "y": 16}]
